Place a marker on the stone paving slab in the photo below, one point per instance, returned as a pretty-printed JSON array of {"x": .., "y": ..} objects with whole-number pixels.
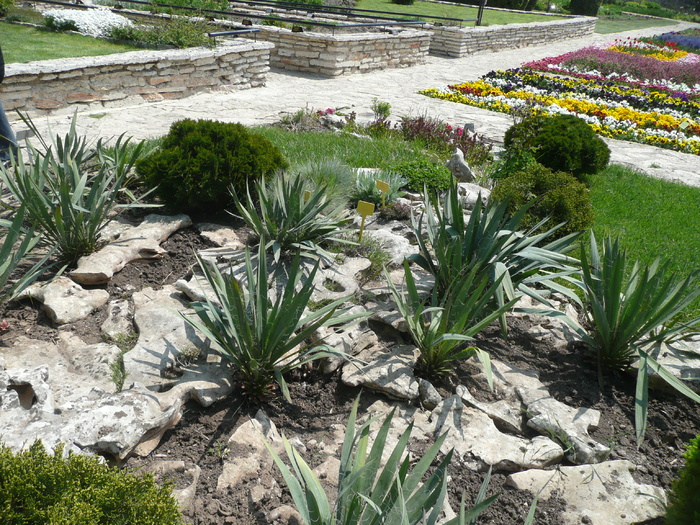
[{"x": 286, "y": 92}]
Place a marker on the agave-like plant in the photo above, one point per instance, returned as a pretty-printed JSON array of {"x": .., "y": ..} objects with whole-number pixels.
[
  {"x": 263, "y": 338},
  {"x": 17, "y": 244},
  {"x": 441, "y": 330},
  {"x": 366, "y": 187},
  {"x": 491, "y": 240},
  {"x": 369, "y": 493},
  {"x": 69, "y": 196},
  {"x": 293, "y": 220},
  {"x": 628, "y": 314}
]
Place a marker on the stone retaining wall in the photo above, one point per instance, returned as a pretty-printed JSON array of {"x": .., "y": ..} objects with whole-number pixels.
[
  {"x": 335, "y": 55},
  {"x": 56, "y": 85},
  {"x": 462, "y": 41}
]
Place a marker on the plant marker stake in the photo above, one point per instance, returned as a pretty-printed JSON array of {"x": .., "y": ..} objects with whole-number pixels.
[
  {"x": 384, "y": 188},
  {"x": 364, "y": 209},
  {"x": 307, "y": 196}
]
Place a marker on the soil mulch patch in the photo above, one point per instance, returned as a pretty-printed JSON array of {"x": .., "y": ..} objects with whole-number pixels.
[{"x": 321, "y": 401}]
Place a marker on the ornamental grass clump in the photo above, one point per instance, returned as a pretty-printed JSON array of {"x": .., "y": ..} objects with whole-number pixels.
[
  {"x": 43, "y": 489},
  {"x": 292, "y": 221},
  {"x": 263, "y": 334},
  {"x": 392, "y": 494},
  {"x": 630, "y": 312},
  {"x": 366, "y": 188},
  {"x": 70, "y": 191}
]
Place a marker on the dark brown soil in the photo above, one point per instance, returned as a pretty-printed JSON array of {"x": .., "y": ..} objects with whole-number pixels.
[{"x": 320, "y": 401}]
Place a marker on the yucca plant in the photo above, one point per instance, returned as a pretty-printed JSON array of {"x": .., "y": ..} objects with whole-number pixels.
[
  {"x": 441, "y": 330},
  {"x": 629, "y": 312},
  {"x": 369, "y": 493},
  {"x": 291, "y": 220},
  {"x": 17, "y": 244},
  {"x": 491, "y": 240},
  {"x": 263, "y": 338},
  {"x": 69, "y": 196}
]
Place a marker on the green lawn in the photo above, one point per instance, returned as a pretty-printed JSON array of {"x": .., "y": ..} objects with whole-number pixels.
[
  {"x": 616, "y": 24},
  {"x": 654, "y": 218},
  {"x": 28, "y": 44},
  {"x": 419, "y": 8}
]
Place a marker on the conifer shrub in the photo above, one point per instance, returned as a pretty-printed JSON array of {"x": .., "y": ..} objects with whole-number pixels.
[
  {"x": 422, "y": 173},
  {"x": 585, "y": 7},
  {"x": 684, "y": 507},
  {"x": 37, "y": 488},
  {"x": 560, "y": 142},
  {"x": 559, "y": 197},
  {"x": 199, "y": 161}
]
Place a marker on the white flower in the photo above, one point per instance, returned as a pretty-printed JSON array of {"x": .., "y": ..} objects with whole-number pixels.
[{"x": 93, "y": 22}]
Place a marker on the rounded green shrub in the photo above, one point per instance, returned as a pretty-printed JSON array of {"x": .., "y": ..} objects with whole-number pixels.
[
  {"x": 37, "y": 488},
  {"x": 420, "y": 173},
  {"x": 560, "y": 142},
  {"x": 585, "y": 7},
  {"x": 684, "y": 503},
  {"x": 558, "y": 195},
  {"x": 199, "y": 161}
]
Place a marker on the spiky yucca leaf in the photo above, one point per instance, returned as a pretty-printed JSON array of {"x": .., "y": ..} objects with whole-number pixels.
[
  {"x": 292, "y": 220},
  {"x": 265, "y": 339},
  {"x": 369, "y": 493}
]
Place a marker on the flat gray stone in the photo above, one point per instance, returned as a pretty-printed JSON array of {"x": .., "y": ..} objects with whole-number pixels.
[
  {"x": 220, "y": 235},
  {"x": 389, "y": 371},
  {"x": 474, "y": 436},
  {"x": 135, "y": 243},
  {"x": 602, "y": 494},
  {"x": 118, "y": 325},
  {"x": 65, "y": 301}
]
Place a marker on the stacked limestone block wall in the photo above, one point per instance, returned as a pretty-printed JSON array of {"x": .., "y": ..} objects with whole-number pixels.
[
  {"x": 462, "y": 41},
  {"x": 345, "y": 54},
  {"x": 57, "y": 85}
]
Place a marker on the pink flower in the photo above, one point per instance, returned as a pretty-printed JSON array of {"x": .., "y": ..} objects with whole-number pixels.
[
  {"x": 4, "y": 326},
  {"x": 330, "y": 111}
]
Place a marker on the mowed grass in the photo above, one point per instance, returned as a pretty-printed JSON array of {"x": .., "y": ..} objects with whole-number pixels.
[
  {"x": 357, "y": 152},
  {"x": 654, "y": 218},
  {"x": 419, "y": 8},
  {"x": 605, "y": 25},
  {"x": 28, "y": 44}
]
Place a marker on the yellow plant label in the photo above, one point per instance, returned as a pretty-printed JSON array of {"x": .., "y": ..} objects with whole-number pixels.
[
  {"x": 307, "y": 195},
  {"x": 365, "y": 208},
  {"x": 382, "y": 186}
]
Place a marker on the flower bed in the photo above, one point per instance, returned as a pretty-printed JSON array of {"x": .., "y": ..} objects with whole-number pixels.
[{"x": 632, "y": 90}]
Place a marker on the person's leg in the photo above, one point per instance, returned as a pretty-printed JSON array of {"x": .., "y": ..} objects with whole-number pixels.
[{"x": 7, "y": 137}]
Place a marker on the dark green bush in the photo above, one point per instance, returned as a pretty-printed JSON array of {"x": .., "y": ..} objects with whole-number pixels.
[
  {"x": 5, "y": 6},
  {"x": 684, "y": 503},
  {"x": 423, "y": 172},
  {"x": 199, "y": 161},
  {"x": 560, "y": 142},
  {"x": 523, "y": 5},
  {"x": 585, "y": 7},
  {"x": 41, "y": 489},
  {"x": 178, "y": 32},
  {"x": 559, "y": 196}
]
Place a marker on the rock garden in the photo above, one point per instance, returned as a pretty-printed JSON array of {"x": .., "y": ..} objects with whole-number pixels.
[{"x": 440, "y": 342}]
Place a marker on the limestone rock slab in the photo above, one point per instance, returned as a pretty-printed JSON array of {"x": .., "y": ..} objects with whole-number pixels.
[
  {"x": 65, "y": 301},
  {"x": 389, "y": 371},
  {"x": 164, "y": 338},
  {"x": 220, "y": 235},
  {"x": 139, "y": 242},
  {"x": 602, "y": 494},
  {"x": 474, "y": 436}
]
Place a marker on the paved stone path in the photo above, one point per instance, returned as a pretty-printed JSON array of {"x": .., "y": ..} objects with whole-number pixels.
[{"x": 286, "y": 92}]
